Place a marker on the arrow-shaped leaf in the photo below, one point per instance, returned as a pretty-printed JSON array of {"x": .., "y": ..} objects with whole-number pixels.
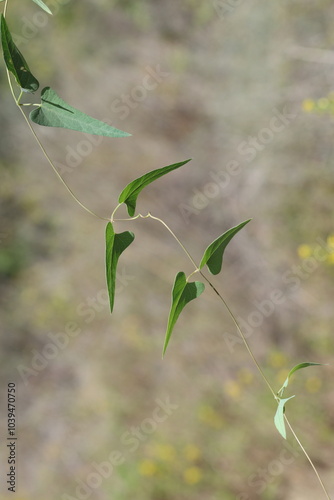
[
  {"x": 183, "y": 292},
  {"x": 43, "y": 6},
  {"x": 54, "y": 112},
  {"x": 131, "y": 191},
  {"x": 15, "y": 61},
  {"x": 115, "y": 245},
  {"x": 293, "y": 370},
  {"x": 213, "y": 255},
  {"x": 279, "y": 416}
]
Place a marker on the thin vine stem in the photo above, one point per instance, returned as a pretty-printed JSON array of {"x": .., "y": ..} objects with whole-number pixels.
[
  {"x": 150, "y": 216},
  {"x": 235, "y": 321},
  {"x": 176, "y": 238},
  {"x": 113, "y": 214},
  {"x": 307, "y": 456}
]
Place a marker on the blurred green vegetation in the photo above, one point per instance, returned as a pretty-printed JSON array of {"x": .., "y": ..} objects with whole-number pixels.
[{"x": 227, "y": 77}]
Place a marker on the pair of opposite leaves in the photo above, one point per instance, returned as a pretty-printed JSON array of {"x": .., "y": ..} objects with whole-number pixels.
[{"x": 52, "y": 111}]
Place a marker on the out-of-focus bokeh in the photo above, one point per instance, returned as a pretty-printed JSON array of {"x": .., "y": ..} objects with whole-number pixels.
[{"x": 245, "y": 90}]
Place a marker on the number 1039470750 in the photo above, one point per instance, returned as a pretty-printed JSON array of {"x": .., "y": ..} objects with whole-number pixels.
[{"x": 11, "y": 408}]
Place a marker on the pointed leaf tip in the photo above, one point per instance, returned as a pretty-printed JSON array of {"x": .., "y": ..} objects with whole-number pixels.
[
  {"x": 43, "y": 6},
  {"x": 182, "y": 293},
  {"x": 131, "y": 191},
  {"x": 54, "y": 112},
  {"x": 293, "y": 370},
  {"x": 15, "y": 61},
  {"x": 115, "y": 246},
  {"x": 213, "y": 255}
]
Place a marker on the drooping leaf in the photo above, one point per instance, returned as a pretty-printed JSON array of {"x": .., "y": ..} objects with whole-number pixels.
[
  {"x": 115, "y": 246},
  {"x": 183, "y": 292},
  {"x": 15, "y": 61},
  {"x": 43, "y": 6},
  {"x": 213, "y": 255},
  {"x": 131, "y": 191},
  {"x": 293, "y": 370},
  {"x": 54, "y": 112},
  {"x": 279, "y": 416}
]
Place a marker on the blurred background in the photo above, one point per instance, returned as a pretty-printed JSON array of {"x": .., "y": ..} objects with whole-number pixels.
[{"x": 245, "y": 90}]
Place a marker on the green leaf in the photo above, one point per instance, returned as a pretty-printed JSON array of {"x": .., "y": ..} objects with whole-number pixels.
[
  {"x": 279, "y": 416},
  {"x": 115, "y": 246},
  {"x": 213, "y": 255},
  {"x": 15, "y": 61},
  {"x": 293, "y": 370},
  {"x": 43, "y": 6},
  {"x": 54, "y": 112},
  {"x": 183, "y": 292},
  {"x": 131, "y": 191}
]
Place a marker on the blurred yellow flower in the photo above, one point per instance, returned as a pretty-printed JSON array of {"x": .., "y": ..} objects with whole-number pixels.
[
  {"x": 147, "y": 468},
  {"x": 210, "y": 416},
  {"x": 308, "y": 105},
  {"x": 330, "y": 259},
  {"x": 192, "y": 475},
  {"x": 330, "y": 240},
  {"x": 313, "y": 384},
  {"x": 232, "y": 389},
  {"x": 245, "y": 376},
  {"x": 304, "y": 251},
  {"x": 165, "y": 452},
  {"x": 277, "y": 359},
  {"x": 191, "y": 452}
]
